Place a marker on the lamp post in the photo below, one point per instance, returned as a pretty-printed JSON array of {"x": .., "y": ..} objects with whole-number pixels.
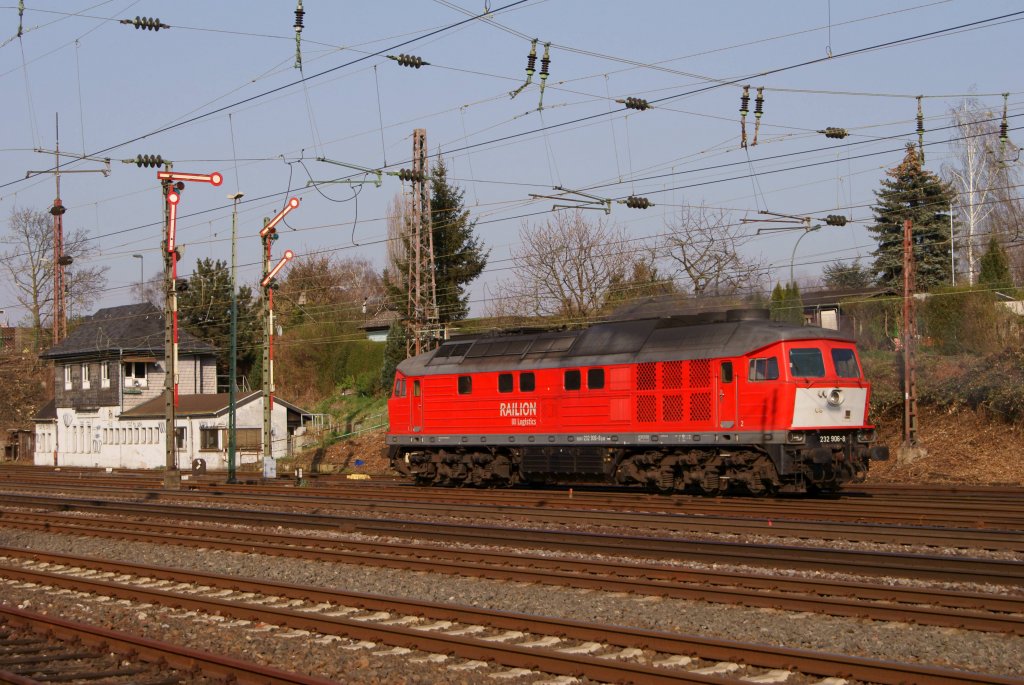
[
  {"x": 807, "y": 229},
  {"x": 232, "y": 361},
  {"x": 142, "y": 281}
]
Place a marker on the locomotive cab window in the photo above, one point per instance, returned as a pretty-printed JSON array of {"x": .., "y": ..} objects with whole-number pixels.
[
  {"x": 727, "y": 372},
  {"x": 765, "y": 369},
  {"x": 595, "y": 379},
  {"x": 572, "y": 379},
  {"x": 504, "y": 382},
  {"x": 527, "y": 382},
  {"x": 415, "y": 388},
  {"x": 845, "y": 362},
  {"x": 806, "y": 362},
  {"x": 399, "y": 387},
  {"x": 465, "y": 385}
]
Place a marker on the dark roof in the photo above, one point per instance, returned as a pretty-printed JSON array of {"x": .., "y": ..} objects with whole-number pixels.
[
  {"x": 381, "y": 320},
  {"x": 133, "y": 328},
  {"x": 695, "y": 336},
  {"x": 821, "y": 298},
  {"x": 48, "y": 412},
  {"x": 208, "y": 404}
]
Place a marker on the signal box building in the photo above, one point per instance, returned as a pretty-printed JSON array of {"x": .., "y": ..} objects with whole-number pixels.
[{"x": 108, "y": 406}]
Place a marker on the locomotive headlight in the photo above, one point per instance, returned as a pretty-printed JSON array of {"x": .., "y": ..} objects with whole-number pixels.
[{"x": 835, "y": 397}]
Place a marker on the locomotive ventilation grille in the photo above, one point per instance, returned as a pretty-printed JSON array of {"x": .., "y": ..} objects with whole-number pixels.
[{"x": 668, "y": 376}]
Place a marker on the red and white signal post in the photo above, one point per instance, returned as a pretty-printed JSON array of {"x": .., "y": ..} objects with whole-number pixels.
[
  {"x": 268, "y": 234},
  {"x": 172, "y": 183}
]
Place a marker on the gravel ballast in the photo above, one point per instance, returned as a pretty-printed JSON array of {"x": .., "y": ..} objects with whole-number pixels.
[{"x": 953, "y": 648}]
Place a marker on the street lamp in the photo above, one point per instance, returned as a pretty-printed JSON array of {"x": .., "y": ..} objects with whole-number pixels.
[
  {"x": 807, "y": 229},
  {"x": 142, "y": 281},
  {"x": 232, "y": 361}
]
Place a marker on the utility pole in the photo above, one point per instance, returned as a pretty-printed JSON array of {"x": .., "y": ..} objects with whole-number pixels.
[
  {"x": 268, "y": 234},
  {"x": 61, "y": 260},
  {"x": 421, "y": 309},
  {"x": 909, "y": 342},
  {"x": 233, "y": 360}
]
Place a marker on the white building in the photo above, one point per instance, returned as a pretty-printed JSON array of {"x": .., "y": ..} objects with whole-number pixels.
[{"x": 108, "y": 407}]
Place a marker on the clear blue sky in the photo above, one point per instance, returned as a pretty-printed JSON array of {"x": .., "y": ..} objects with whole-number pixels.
[{"x": 225, "y": 73}]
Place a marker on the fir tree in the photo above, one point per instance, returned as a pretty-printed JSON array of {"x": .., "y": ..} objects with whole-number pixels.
[
  {"x": 458, "y": 255},
  {"x": 842, "y": 276},
  {"x": 912, "y": 193},
  {"x": 394, "y": 352},
  {"x": 994, "y": 270},
  {"x": 204, "y": 309},
  {"x": 786, "y": 304}
]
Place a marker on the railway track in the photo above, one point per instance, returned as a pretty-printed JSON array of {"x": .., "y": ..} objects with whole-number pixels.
[
  {"x": 37, "y": 649},
  {"x": 947, "y": 608},
  {"x": 860, "y": 562},
  {"x": 598, "y": 652},
  {"x": 1008, "y": 539},
  {"x": 996, "y": 508}
]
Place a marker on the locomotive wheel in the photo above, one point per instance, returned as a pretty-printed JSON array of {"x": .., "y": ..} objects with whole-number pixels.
[{"x": 711, "y": 484}]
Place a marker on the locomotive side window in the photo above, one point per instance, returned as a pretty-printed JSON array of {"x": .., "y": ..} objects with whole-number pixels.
[
  {"x": 465, "y": 385},
  {"x": 527, "y": 382},
  {"x": 765, "y": 369},
  {"x": 415, "y": 388},
  {"x": 572, "y": 379},
  {"x": 727, "y": 372},
  {"x": 504, "y": 382},
  {"x": 845, "y": 363},
  {"x": 595, "y": 379},
  {"x": 806, "y": 362}
]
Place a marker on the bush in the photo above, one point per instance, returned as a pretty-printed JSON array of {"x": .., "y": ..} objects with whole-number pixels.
[{"x": 964, "y": 319}]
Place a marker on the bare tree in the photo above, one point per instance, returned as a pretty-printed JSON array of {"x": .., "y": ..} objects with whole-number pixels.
[
  {"x": 321, "y": 287},
  {"x": 28, "y": 259},
  {"x": 974, "y": 175},
  {"x": 565, "y": 267},
  {"x": 153, "y": 290},
  {"x": 705, "y": 245}
]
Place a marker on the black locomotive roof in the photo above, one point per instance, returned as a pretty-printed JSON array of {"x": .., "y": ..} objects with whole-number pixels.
[{"x": 616, "y": 342}]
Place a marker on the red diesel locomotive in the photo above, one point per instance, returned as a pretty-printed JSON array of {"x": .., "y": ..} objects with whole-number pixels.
[{"x": 707, "y": 402}]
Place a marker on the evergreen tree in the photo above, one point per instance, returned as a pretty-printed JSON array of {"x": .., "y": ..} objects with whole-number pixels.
[
  {"x": 394, "y": 352},
  {"x": 204, "y": 309},
  {"x": 458, "y": 256},
  {"x": 841, "y": 276},
  {"x": 786, "y": 304},
  {"x": 912, "y": 193},
  {"x": 995, "y": 266}
]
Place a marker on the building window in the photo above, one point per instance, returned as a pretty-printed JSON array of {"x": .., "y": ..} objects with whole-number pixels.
[
  {"x": 135, "y": 375},
  {"x": 86, "y": 377},
  {"x": 67, "y": 376},
  {"x": 209, "y": 438},
  {"x": 248, "y": 439},
  {"x": 179, "y": 438},
  {"x": 105, "y": 374}
]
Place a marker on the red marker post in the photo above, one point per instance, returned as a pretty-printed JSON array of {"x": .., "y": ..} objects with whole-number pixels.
[
  {"x": 268, "y": 236},
  {"x": 174, "y": 182}
]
